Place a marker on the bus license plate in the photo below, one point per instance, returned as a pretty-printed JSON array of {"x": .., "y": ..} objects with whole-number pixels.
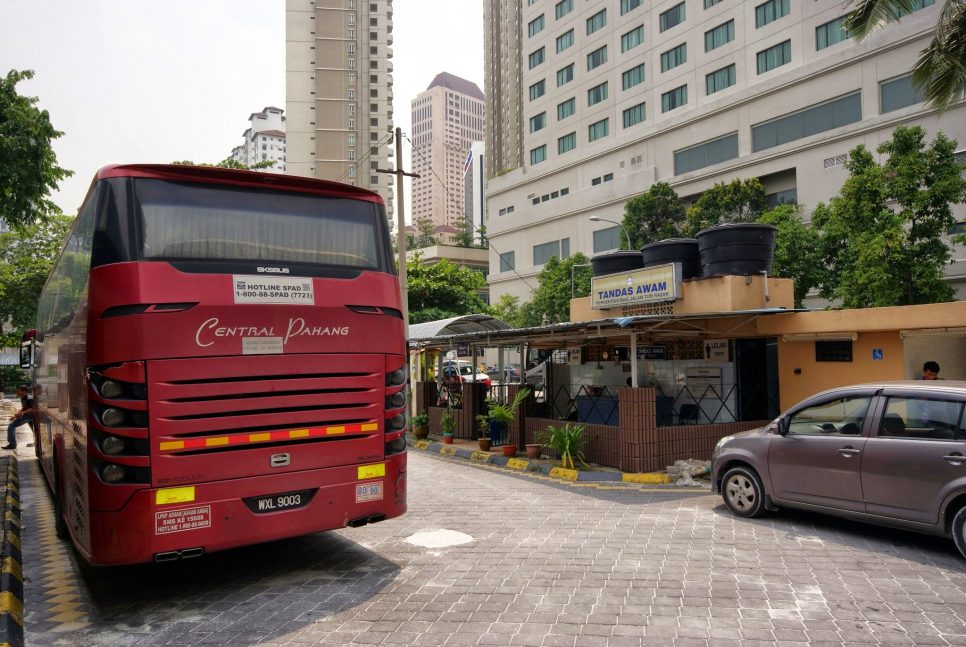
[
  {"x": 368, "y": 492},
  {"x": 279, "y": 502}
]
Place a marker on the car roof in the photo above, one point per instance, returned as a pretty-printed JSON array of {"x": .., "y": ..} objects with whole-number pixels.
[{"x": 948, "y": 386}]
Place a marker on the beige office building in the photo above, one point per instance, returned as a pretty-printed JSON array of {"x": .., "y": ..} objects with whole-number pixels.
[
  {"x": 446, "y": 119},
  {"x": 338, "y": 90},
  {"x": 615, "y": 95}
]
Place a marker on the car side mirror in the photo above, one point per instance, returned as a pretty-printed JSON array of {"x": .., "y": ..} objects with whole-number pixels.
[{"x": 781, "y": 427}]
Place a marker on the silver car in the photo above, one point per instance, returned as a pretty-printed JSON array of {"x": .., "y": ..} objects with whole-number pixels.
[{"x": 892, "y": 453}]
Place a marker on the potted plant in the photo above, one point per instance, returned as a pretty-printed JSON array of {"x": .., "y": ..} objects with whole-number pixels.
[
  {"x": 534, "y": 450},
  {"x": 448, "y": 425},
  {"x": 483, "y": 427},
  {"x": 567, "y": 442},
  {"x": 500, "y": 415},
  {"x": 420, "y": 425}
]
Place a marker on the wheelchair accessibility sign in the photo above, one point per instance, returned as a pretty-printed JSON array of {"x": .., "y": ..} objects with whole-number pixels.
[{"x": 876, "y": 353}]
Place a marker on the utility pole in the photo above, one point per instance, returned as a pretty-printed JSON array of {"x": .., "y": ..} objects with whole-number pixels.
[{"x": 400, "y": 223}]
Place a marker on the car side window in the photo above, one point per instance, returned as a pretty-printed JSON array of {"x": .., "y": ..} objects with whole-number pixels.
[
  {"x": 923, "y": 419},
  {"x": 839, "y": 417}
]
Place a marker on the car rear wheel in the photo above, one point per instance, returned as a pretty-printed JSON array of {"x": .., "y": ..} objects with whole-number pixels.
[
  {"x": 743, "y": 493},
  {"x": 959, "y": 530}
]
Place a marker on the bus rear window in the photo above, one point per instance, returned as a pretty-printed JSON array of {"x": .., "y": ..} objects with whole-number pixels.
[{"x": 182, "y": 221}]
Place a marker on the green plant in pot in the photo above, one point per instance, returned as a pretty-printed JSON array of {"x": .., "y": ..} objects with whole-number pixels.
[
  {"x": 500, "y": 415},
  {"x": 420, "y": 425},
  {"x": 447, "y": 424},
  {"x": 483, "y": 428},
  {"x": 567, "y": 442}
]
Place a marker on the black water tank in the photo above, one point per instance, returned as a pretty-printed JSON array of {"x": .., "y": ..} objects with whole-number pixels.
[
  {"x": 623, "y": 261},
  {"x": 674, "y": 250},
  {"x": 741, "y": 248}
]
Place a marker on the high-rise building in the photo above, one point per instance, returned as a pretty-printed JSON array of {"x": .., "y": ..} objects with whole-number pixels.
[
  {"x": 611, "y": 96},
  {"x": 264, "y": 140},
  {"x": 446, "y": 119},
  {"x": 474, "y": 189},
  {"x": 339, "y": 92}
]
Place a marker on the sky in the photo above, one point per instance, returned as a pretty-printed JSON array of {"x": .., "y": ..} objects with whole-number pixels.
[{"x": 137, "y": 81}]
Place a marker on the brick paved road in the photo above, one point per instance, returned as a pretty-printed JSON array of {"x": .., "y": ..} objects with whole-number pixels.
[{"x": 549, "y": 564}]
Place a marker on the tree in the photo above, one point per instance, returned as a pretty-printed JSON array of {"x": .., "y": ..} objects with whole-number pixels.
[
  {"x": 424, "y": 234},
  {"x": 654, "y": 215},
  {"x": 28, "y": 164},
  {"x": 940, "y": 70},
  {"x": 442, "y": 290},
  {"x": 507, "y": 308},
  {"x": 230, "y": 162},
  {"x": 737, "y": 201},
  {"x": 882, "y": 236},
  {"x": 551, "y": 300},
  {"x": 797, "y": 250},
  {"x": 27, "y": 257}
]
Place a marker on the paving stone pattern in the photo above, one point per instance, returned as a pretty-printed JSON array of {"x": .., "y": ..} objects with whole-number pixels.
[{"x": 550, "y": 565}]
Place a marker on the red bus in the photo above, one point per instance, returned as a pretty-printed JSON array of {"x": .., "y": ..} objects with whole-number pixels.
[{"x": 220, "y": 360}]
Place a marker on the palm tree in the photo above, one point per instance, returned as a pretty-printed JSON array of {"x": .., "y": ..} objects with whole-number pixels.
[{"x": 941, "y": 69}]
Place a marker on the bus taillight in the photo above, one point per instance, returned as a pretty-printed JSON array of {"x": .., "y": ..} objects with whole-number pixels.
[
  {"x": 119, "y": 422},
  {"x": 396, "y": 420}
]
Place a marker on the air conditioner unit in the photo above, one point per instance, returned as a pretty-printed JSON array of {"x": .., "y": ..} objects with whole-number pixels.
[{"x": 530, "y": 196}]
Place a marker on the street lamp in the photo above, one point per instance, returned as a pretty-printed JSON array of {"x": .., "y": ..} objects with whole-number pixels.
[
  {"x": 572, "y": 276},
  {"x": 614, "y": 222}
]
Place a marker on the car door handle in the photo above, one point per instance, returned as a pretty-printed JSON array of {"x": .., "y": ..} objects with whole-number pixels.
[
  {"x": 849, "y": 452},
  {"x": 956, "y": 459}
]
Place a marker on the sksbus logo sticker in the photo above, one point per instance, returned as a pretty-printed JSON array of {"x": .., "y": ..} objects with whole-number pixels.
[
  {"x": 168, "y": 521},
  {"x": 273, "y": 289}
]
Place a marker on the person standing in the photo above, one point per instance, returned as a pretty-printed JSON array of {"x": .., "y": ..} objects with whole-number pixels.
[
  {"x": 22, "y": 416},
  {"x": 930, "y": 371}
]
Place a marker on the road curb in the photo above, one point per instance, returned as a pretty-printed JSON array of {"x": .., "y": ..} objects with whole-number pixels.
[
  {"x": 11, "y": 573},
  {"x": 557, "y": 473}
]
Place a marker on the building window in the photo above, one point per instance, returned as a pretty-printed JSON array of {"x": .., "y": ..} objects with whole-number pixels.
[
  {"x": 597, "y": 21},
  {"x": 537, "y": 89},
  {"x": 632, "y": 39},
  {"x": 607, "y": 239},
  {"x": 916, "y": 5},
  {"x": 710, "y": 3},
  {"x": 536, "y": 58},
  {"x": 565, "y": 75},
  {"x": 715, "y": 38},
  {"x": 673, "y": 16},
  {"x": 771, "y": 11},
  {"x": 546, "y": 251},
  {"x": 788, "y": 196},
  {"x": 632, "y": 77},
  {"x": 597, "y": 58},
  {"x": 567, "y": 143},
  {"x": 538, "y": 154},
  {"x": 630, "y": 5},
  {"x": 720, "y": 79},
  {"x": 674, "y": 99},
  {"x": 597, "y": 94},
  {"x": 706, "y": 154},
  {"x": 810, "y": 121},
  {"x": 674, "y": 57},
  {"x": 565, "y": 40},
  {"x": 830, "y": 33},
  {"x": 535, "y": 26},
  {"x": 538, "y": 122},
  {"x": 634, "y": 115},
  {"x": 833, "y": 351},
  {"x": 898, "y": 93},
  {"x": 597, "y": 130},
  {"x": 566, "y": 108},
  {"x": 508, "y": 261},
  {"x": 562, "y": 8},
  {"x": 776, "y": 56}
]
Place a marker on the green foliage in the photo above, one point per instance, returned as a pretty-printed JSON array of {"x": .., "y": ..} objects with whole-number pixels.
[
  {"x": 653, "y": 216},
  {"x": 463, "y": 238},
  {"x": 26, "y": 258},
  {"x": 797, "y": 250},
  {"x": 507, "y": 308},
  {"x": 230, "y": 162},
  {"x": 551, "y": 300},
  {"x": 442, "y": 290},
  {"x": 424, "y": 234},
  {"x": 882, "y": 236},
  {"x": 421, "y": 419},
  {"x": 28, "y": 164},
  {"x": 567, "y": 442},
  {"x": 736, "y": 201},
  {"x": 10, "y": 378},
  {"x": 483, "y": 425},
  {"x": 940, "y": 70},
  {"x": 503, "y": 413},
  {"x": 447, "y": 423}
]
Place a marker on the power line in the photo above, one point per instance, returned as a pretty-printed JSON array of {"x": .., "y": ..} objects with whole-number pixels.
[{"x": 379, "y": 143}]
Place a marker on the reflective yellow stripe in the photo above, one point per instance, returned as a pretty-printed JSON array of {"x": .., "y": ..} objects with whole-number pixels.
[
  {"x": 298, "y": 433},
  {"x": 371, "y": 471},
  {"x": 172, "y": 444},
  {"x": 254, "y": 438},
  {"x": 174, "y": 495},
  {"x": 213, "y": 442},
  {"x": 371, "y": 426},
  {"x": 335, "y": 430}
]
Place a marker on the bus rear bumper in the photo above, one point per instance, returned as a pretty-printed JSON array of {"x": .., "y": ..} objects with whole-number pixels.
[{"x": 188, "y": 521}]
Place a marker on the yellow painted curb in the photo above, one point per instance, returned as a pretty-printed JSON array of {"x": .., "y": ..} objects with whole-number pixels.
[
  {"x": 421, "y": 444},
  {"x": 653, "y": 478},
  {"x": 565, "y": 474},
  {"x": 517, "y": 464},
  {"x": 481, "y": 457},
  {"x": 448, "y": 450},
  {"x": 11, "y": 605}
]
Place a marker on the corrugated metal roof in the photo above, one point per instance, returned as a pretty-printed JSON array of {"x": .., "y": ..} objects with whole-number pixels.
[{"x": 463, "y": 325}]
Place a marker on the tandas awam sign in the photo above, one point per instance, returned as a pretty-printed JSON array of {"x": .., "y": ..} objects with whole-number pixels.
[{"x": 651, "y": 285}]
